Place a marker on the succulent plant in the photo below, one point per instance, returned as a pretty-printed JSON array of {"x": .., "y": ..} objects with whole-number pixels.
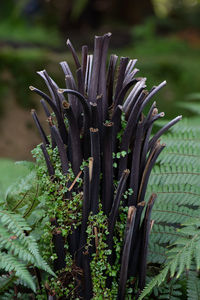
[{"x": 99, "y": 117}]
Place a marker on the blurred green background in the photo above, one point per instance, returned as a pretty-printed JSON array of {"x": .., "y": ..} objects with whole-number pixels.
[{"x": 164, "y": 35}]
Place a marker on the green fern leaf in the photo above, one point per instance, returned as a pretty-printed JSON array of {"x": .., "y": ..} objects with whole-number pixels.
[{"x": 11, "y": 264}]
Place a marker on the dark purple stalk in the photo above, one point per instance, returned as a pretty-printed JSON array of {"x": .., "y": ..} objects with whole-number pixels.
[
  {"x": 116, "y": 119},
  {"x": 115, "y": 206},
  {"x": 130, "y": 66},
  {"x": 74, "y": 102},
  {"x": 75, "y": 142},
  {"x": 132, "y": 97},
  {"x": 67, "y": 72},
  {"x": 80, "y": 80},
  {"x": 110, "y": 78},
  {"x": 46, "y": 110},
  {"x": 94, "y": 115},
  {"x": 59, "y": 245},
  {"x": 162, "y": 131},
  {"x": 134, "y": 252},
  {"x": 85, "y": 212},
  {"x": 120, "y": 80},
  {"x": 147, "y": 128},
  {"x": 126, "y": 253},
  {"x": 95, "y": 180},
  {"x": 84, "y": 104},
  {"x": 88, "y": 73},
  {"x": 129, "y": 133},
  {"x": 130, "y": 76},
  {"x": 51, "y": 297},
  {"x": 50, "y": 168},
  {"x": 39, "y": 127},
  {"x": 58, "y": 98},
  {"x": 53, "y": 142},
  {"x": 61, "y": 124},
  {"x": 71, "y": 48},
  {"x": 88, "y": 294},
  {"x": 147, "y": 171},
  {"x": 61, "y": 149},
  {"x": 84, "y": 60},
  {"x": 145, "y": 241},
  {"x": 102, "y": 88},
  {"x": 119, "y": 98},
  {"x": 135, "y": 167},
  {"x": 87, "y": 120},
  {"x": 107, "y": 168},
  {"x": 93, "y": 88},
  {"x": 49, "y": 86},
  {"x": 149, "y": 96}
]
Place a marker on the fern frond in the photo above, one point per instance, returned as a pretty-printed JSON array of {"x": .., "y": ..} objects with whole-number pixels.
[
  {"x": 174, "y": 214},
  {"x": 193, "y": 285},
  {"x": 168, "y": 290},
  {"x": 17, "y": 249},
  {"x": 156, "y": 253},
  {"x": 180, "y": 257},
  {"x": 163, "y": 234},
  {"x": 9, "y": 263},
  {"x": 6, "y": 281}
]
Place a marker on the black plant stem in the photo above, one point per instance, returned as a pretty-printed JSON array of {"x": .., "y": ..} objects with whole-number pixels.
[
  {"x": 107, "y": 168},
  {"x": 53, "y": 142},
  {"x": 115, "y": 207},
  {"x": 39, "y": 126},
  {"x": 74, "y": 102},
  {"x": 47, "y": 112},
  {"x": 132, "y": 97},
  {"x": 116, "y": 119},
  {"x": 110, "y": 78},
  {"x": 50, "y": 168},
  {"x": 128, "y": 133},
  {"x": 80, "y": 80},
  {"x": 88, "y": 294},
  {"x": 122, "y": 69},
  {"x": 59, "y": 245},
  {"x": 58, "y": 98},
  {"x": 147, "y": 128},
  {"x": 51, "y": 297},
  {"x": 95, "y": 181},
  {"x": 135, "y": 167},
  {"x": 100, "y": 116},
  {"x": 61, "y": 124},
  {"x": 102, "y": 89},
  {"x": 67, "y": 72},
  {"x": 61, "y": 149},
  {"x": 84, "y": 104},
  {"x": 84, "y": 61},
  {"x": 145, "y": 241},
  {"x": 126, "y": 253},
  {"x": 71, "y": 48},
  {"x": 49, "y": 85},
  {"x": 162, "y": 131},
  {"x": 149, "y": 96},
  {"x": 133, "y": 260},
  {"x": 94, "y": 115},
  {"x": 149, "y": 115},
  {"x": 145, "y": 149},
  {"x": 118, "y": 100},
  {"x": 88, "y": 73},
  {"x": 147, "y": 171},
  {"x": 85, "y": 212},
  {"x": 93, "y": 88},
  {"x": 87, "y": 120},
  {"x": 74, "y": 134}
]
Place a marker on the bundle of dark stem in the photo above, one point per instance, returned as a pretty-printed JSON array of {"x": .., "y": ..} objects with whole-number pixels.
[{"x": 94, "y": 102}]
